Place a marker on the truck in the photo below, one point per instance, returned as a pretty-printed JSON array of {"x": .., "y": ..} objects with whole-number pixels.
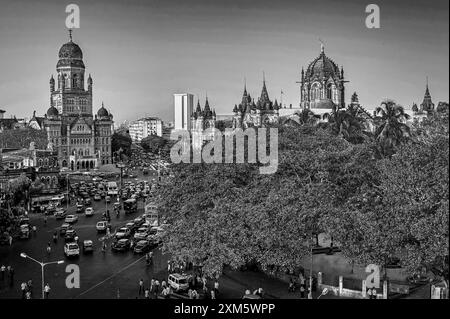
[{"x": 112, "y": 189}]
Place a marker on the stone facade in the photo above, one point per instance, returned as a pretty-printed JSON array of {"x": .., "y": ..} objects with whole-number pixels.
[{"x": 81, "y": 140}]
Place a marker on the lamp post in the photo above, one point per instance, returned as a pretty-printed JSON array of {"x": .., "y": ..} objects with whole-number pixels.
[
  {"x": 311, "y": 272},
  {"x": 42, "y": 264},
  {"x": 68, "y": 197}
]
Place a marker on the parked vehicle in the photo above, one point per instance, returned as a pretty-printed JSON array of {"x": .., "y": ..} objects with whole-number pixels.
[
  {"x": 70, "y": 235},
  {"x": 89, "y": 211},
  {"x": 24, "y": 231},
  {"x": 64, "y": 228},
  {"x": 142, "y": 246},
  {"x": 101, "y": 226}
]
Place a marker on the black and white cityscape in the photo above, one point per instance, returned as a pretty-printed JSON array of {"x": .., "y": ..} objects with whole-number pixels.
[{"x": 241, "y": 149}]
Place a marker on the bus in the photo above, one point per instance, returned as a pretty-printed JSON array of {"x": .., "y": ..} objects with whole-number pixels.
[
  {"x": 112, "y": 189},
  {"x": 130, "y": 206}
]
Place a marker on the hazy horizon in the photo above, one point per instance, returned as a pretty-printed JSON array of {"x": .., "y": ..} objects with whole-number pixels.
[{"x": 140, "y": 53}]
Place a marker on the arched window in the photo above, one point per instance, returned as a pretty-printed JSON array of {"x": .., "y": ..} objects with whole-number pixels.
[
  {"x": 329, "y": 91},
  {"x": 86, "y": 152},
  {"x": 40, "y": 162},
  {"x": 46, "y": 161}
]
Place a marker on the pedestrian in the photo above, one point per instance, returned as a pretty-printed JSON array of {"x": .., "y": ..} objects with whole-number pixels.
[
  {"x": 374, "y": 293},
  {"x": 213, "y": 295},
  {"x": 163, "y": 284},
  {"x": 369, "y": 293},
  {"x": 55, "y": 238},
  {"x": 45, "y": 220},
  {"x": 216, "y": 287},
  {"x": 49, "y": 249},
  {"x": 259, "y": 292},
  {"x": 147, "y": 293},
  {"x": 2, "y": 270},
  {"x": 28, "y": 295},
  {"x": 30, "y": 286},
  {"x": 11, "y": 276},
  {"x": 47, "y": 290},
  {"x": 168, "y": 266},
  {"x": 10, "y": 240},
  {"x": 156, "y": 288},
  {"x": 195, "y": 294},
  {"x": 34, "y": 230},
  {"x": 302, "y": 291},
  {"x": 141, "y": 286},
  {"x": 23, "y": 287}
]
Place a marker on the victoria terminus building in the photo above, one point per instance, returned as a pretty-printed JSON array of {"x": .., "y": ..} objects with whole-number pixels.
[{"x": 81, "y": 139}]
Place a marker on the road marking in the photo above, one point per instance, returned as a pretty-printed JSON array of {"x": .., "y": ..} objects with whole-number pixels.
[{"x": 113, "y": 275}]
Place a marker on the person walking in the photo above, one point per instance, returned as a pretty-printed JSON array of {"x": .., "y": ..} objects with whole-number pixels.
[
  {"x": 147, "y": 293},
  {"x": 23, "y": 287},
  {"x": 2, "y": 270},
  {"x": 45, "y": 220},
  {"x": 369, "y": 293},
  {"x": 55, "y": 238},
  {"x": 11, "y": 276},
  {"x": 156, "y": 288},
  {"x": 10, "y": 240},
  {"x": 216, "y": 287},
  {"x": 30, "y": 286},
  {"x": 34, "y": 230},
  {"x": 46, "y": 290},
  {"x": 213, "y": 295},
  {"x": 49, "y": 249},
  {"x": 141, "y": 286}
]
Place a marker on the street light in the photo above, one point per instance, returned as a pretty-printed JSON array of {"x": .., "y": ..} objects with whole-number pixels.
[{"x": 42, "y": 264}]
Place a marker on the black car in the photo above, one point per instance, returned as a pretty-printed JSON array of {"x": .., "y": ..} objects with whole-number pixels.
[
  {"x": 70, "y": 235},
  {"x": 88, "y": 202},
  {"x": 121, "y": 245},
  {"x": 142, "y": 246}
]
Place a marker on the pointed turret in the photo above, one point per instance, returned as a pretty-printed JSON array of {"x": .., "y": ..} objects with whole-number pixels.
[
  {"x": 427, "y": 104},
  {"x": 52, "y": 84}
]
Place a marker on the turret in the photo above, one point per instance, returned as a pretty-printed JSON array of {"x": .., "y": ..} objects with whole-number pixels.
[
  {"x": 89, "y": 82},
  {"x": 52, "y": 84}
]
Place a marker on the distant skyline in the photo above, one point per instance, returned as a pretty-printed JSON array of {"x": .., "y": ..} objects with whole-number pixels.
[{"x": 141, "y": 52}]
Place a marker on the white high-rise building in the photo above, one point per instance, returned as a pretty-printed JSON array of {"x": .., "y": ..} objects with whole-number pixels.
[
  {"x": 184, "y": 106},
  {"x": 144, "y": 127}
]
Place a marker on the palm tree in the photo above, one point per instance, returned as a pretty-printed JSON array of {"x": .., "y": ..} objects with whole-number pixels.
[
  {"x": 391, "y": 126},
  {"x": 306, "y": 116},
  {"x": 348, "y": 123}
]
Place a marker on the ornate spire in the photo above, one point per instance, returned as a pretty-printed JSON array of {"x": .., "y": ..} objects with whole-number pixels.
[
  {"x": 427, "y": 104},
  {"x": 207, "y": 108}
]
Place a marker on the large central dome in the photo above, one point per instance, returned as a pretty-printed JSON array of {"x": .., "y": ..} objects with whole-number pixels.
[
  {"x": 70, "y": 54},
  {"x": 321, "y": 67}
]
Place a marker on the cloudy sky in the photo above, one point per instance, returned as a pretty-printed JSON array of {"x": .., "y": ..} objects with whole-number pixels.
[{"x": 140, "y": 52}]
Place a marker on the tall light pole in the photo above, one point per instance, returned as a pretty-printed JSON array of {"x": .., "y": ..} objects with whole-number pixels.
[
  {"x": 42, "y": 264},
  {"x": 68, "y": 197}
]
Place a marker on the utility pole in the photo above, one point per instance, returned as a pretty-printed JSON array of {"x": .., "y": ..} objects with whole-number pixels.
[{"x": 311, "y": 271}]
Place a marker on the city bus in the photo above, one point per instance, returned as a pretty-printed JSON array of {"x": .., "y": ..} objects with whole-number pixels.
[
  {"x": 130, "y": 206},
  {"x": 112, "y": 189}
]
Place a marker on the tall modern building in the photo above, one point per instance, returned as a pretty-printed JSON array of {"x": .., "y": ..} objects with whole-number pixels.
[
  {"x": 82, "y": 140},
  {"x": 184, "y": 106},
  {"x": 144, "y": 127}
]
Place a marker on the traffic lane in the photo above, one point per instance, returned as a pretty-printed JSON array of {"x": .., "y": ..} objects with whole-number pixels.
[{"x": 93, "y": 268}]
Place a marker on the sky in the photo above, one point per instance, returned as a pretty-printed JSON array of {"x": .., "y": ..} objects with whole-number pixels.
[{"x": 141, "y": 52}]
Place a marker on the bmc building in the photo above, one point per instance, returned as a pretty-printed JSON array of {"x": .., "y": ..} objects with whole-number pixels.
[{"x": 82, "y": 140}]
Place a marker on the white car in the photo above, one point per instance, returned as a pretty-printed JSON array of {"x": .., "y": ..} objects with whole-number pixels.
[
  {"x": 101, "y": 226},
  {"x": 123, "y": 232},
  {"x": 89, "y": 211},
  {"x": 178, "y": 282},
  {"x": 70, "y": 219},
  {"x": 141, "y": 233},
  {"x": 71, "y": 249}
]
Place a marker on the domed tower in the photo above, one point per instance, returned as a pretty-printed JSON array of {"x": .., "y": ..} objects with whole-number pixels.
[
  {"x": 70, "y": 97},
  {"x": 103, "y": 133},
  {"x": 322, "y": 85}
]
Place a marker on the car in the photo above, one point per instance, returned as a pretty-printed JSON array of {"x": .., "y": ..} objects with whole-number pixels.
[
  {"x": 178, "y": 282},
  {"x": 123, "y": 232},
  {"x": 101, "y": 226},
  {"x": 24, "y": 231},
  {"x": 141, "y": 233},
  {"x": 88, "y": 246},
  {"x": 142, "y": 246},
  {"x": 122, "y": 244},
  {"x": 97, "y": 197},
  {"x": 88, "y": 202},
  {"x": 71, "y": 219},
  {"x": 89, "y": 211},
  {"x": 71, "y": 249},
  {"x": 60, "y": 214},
  {"x": 80, "y": 208},
  {"x": 84, "y": 194},
  {"x": 138, "y": 221},
  {"x": 64, "y": 228},
  {"x": 70, "y": 235}
]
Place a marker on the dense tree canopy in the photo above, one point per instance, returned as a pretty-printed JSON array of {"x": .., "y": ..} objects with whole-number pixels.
[
  {"x": 21, "y": 138},
  {"x": 121, "y": 144}
]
